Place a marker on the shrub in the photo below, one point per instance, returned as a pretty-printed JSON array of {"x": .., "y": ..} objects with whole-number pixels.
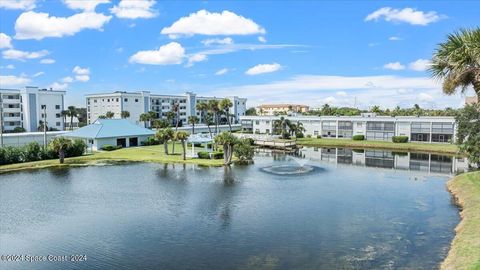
[
  {"x": 244, "y": 151},
  {"x": 108, "y": 147},
  {"x": 18, "y": 130},
  {"x": 400, "y": 139},
  {"x": 77, "y": 148},
  {"x": 299, "y": 135},
  {"x": 150, "y": 141},
  {"x": 319, "y": 136},
  {"x": 309, "y": 136},
  {"x": 13, "y": 154},
  {"x": 250, "y": 141},
  {"x": 203, "y": 155},
  {"x": 217, "y": 155},
  {"x": 31, "y": 152},
  {"x": 48, "y": 153},
  {"x": 358, "y": 137}
]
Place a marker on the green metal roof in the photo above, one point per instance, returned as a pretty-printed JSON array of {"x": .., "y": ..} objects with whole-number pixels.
[{"x": 109, "y": 128}]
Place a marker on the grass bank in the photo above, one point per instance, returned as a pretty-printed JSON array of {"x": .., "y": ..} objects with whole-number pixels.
[
  {"x": 153, "y": 153},
  {"x": 465, "y": 249},
  {"x": 411, "y": 147}
]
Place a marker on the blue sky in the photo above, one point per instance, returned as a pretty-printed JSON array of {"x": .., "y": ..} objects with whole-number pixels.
[{"x": 341, "y": 53}]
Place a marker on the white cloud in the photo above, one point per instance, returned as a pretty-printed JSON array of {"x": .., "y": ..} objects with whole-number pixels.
[
  {"x": 394, "y": 66},
  {"x": 47, "y": 61},
  {"x": 196, "y": 58},
  {"x": 86, "y": 5},
  {"x": 262, "y": 39},
  {"x": 263, "y": 68},
  {"x": 33, "y": 25},
  {"x": 81, "y": 74},
  {"x": 373, "y": 44},
  {"x": 394, "y": 38},
  {"x": 208, "y": 23},
  {"x": 5, "y": 41},
  {"x": 22, "y": 55},
  {"x": 406, "y": 15},
  {"x": 425, "y": 97},
  {"x": 221, "y": 71},
  {"x": 58, "y": 86},
  {"x": 11, "y": 80},
  {"x": 341, "y": 93},
  {"x": 169, "y": 54},
  {"x": 67, "y": 79},
  {"x": 38, "y": 74},
  {"x": 8, "y": 67},
  {"x": 419, "y": 65},
  {"x": 18, "y": 4},
  {"x": 134, "y": 9},
  {"x": 208, "y": 42}
]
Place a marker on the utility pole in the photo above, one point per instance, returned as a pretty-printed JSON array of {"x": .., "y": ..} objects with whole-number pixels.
[
  {"x": 44, "y": 107},
  {"x": 1, "y": 120}
]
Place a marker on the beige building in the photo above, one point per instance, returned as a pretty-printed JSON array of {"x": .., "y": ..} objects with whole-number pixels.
[
  {"x": 274, "y": 109},
  {"x": 471, "y": 100}
]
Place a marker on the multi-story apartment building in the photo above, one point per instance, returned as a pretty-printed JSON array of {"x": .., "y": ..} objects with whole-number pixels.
[
  {"x": 24, "y": 108},
  {"x": 137, "y": 103},
  {"x": 273, "y": 109},
  {"x": 383, "y": 128}
]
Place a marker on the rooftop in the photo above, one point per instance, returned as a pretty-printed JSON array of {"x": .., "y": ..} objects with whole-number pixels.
[{"x": 109, "y": 128}]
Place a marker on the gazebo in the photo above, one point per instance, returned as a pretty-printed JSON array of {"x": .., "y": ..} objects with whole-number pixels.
[{"x": 199, "y": 138}]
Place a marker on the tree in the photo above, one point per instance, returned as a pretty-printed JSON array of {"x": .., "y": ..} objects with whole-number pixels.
[
  {"x": 280, "y": 127},
  {"x": 170, "y": 116},
  {"x": 144, "y": 117},
  {"x": 42, "y": 126},
  {"x": 376, "y": 109},
  {"x": 326, "y": 110},
  {"x": 109, "y": 115},
  {"x": 164, "y": 135},
  {"x": 64, "y": 115},
  {"x": 71, "y": 112},
  {"x": 457, "y": 61},
  {"x": 160, "y": 123},
  {"x": 125, "y": 114},
  {"x": 152, "y": 116},
  {"x": 227, "y": 140},
  {"x": 182, "y": 136},
  {"x": 192, "y": 120},
  {"x": 225, "y": 105},
  {"x": 244, "y": 151},
  {"x": 176, "y": 111},
  {"x": 468, "y": 132},
  {"x": 60, "y": 145},
  {"x": 213, "y": 107},
  {"x": 251, "y": 111},
  {"x": 206, "y": 118}
]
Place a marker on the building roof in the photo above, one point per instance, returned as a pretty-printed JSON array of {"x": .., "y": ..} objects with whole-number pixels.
[
  {"x": 109, "y": 128},
  {"x": 282, "y": 105}
]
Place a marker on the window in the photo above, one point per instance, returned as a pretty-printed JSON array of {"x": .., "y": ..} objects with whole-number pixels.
[
  {"x": 136, "y": 100},
  {"x": 257, "y": 122},
  {"x": 108, "y": 100},
  {"x": 57, "y": 107},
  {"x": 125, "y": 99},
  {"x": 421, "y": 127},
  {"x": 268, "y": 131},
  {"x": 57, "y": 124},
  {"x": 359, "y": 124},
  {"x": 117, "y": 99},
  {"x": 94, "y": 101},
  {"x": 57, "y": 115}
]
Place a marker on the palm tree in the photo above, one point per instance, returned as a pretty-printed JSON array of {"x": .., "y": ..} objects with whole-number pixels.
[
  {"x": 42, "y": 126},
  {"x": 182, "y": 136},
  {"x": 227, "y": 140},
  {"x": 125, "y": 114},
  {"x": 176, "y": 111},
  {"x": 109, "y": 115},
  {"x": 153, "y": 116},
  {"x": 376, "y": 109},
  {"x": 225, "y": 105},
  {"x": 160, "y": 123},
  {"x": 204, "y": 115},
  {"x": 64, "y": 114},
  {"x": 192, "y": 120},
  {"x": 213, "y": 107},
  {"x": 457, "y": 61},
  {"x": 281, "y": 125},
  {"x": 164, "y": 135},
  {"x": 60, "y": 145},
  {"x": 71, "y": 112},
  {"x": 170, "y": 116},
  {"x": 144, "y": 117}
]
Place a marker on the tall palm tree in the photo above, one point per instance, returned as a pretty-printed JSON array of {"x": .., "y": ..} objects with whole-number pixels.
[
  {"x": 71, "y": 112},
  {"x": 376, "y": 109},
  {"x": 60, "y": 145},
  {"x": 64, "y": 114},
  {"x": 125, "y": 114},
  {"x": 282, "y": 125},
  {"x": 227, "y": 140},
  {"x": 109, "y": 115},
  {"x": 153, "y": 116},
  {"x": 144, "y": 117},
  {"x": 213, "y": 107},
  {"x": 457, "y": 61},
  {"x": 192, "y": 120},
  {"x": 164, "y": 135},
  {"x": 182, "y": 137},
  {"x": 204, "y": 115},
  {"x": 225, "y": 105}
]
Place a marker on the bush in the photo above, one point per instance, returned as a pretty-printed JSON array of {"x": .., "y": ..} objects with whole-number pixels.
[
  {"x": 358, "y": 137},
  {"x": 150, "y": 141},
  {"x": 77, "y": 148},
  {"x": 108, "y": 147},
  {"x": 217, "y": 155},
  {"x": 18, "y": 130},
  {"x": 244, "y": 151},
  {"x": 250, "y": 141},
  {"x": 400, "y": 139},
  {"x": 299, "y": 135},
  {"x": 31, "y": 152},
  {"x": 319, "y": 136},
  {"x": 203, "y": 155},
  {"x": 48, "y": 153},
  {"x": 12, "y": 155},
  {"x": 309, "y": 136}
]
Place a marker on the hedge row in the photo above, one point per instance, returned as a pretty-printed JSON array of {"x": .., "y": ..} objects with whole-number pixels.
[
  {"x": 358, "y": 137},
  {"x": 34, "y": 152},
  {"x": 108, "y": 147},
  {"x": 400, "y": 139}
]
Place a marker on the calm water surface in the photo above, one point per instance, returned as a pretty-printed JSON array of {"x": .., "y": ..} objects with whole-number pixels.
[{"x": 155, "y": 216}]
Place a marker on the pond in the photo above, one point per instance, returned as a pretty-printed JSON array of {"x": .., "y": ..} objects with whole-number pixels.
[{"x": 356, "y": 209}]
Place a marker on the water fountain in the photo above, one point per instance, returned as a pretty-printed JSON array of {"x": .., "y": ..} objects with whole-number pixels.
[{"x": 300, "y": 167}]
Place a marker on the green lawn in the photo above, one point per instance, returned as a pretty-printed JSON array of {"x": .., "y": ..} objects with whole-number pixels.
[
  {"x": 413, "y": 147},
  {"x": 465, "y": 249},
  {"x": 153, "y": 153}
]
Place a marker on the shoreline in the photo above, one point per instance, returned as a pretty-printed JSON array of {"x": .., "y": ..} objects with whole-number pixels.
[{"x": 464, "y": 252}]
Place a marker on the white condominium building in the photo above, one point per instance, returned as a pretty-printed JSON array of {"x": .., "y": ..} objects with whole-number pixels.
[
  {"x": 380, "y": 128},
  {"x": 137, "y": 103},
  {"x": 23, "y": 108}
]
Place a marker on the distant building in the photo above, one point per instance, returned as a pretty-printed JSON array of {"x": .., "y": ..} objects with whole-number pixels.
[
  {"x": 274, "y": 109},
  {"x": 471, "y": 100},
  {"x": 23, "y": 108},
  {"x": 137, "y": 103}
]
